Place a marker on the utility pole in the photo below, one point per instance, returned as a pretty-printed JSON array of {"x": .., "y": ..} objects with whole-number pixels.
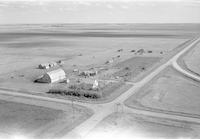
[
  {"x": 73, "y": 112},
  {"x": 117, "y": 112}
]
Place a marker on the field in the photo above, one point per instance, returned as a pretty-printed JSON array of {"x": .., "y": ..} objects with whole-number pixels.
[
  {"x": 23, "y": 48},
  {"x": 169, "y": 92},
  {"x": 192, "y": 60},
  {"x": 127, "y": 125},
  {"x": 37, "y": 121}
]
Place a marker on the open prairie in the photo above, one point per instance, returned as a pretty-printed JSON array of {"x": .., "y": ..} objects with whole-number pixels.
[
  {"x": 26, "y": 46},
  {"x": 38, "y": 119}
]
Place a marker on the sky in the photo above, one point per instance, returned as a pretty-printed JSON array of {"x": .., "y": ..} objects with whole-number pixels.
[{"x": 99, "y": 11}]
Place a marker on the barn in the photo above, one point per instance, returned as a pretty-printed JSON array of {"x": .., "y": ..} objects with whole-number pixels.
[{"x": 52, "y": 76}]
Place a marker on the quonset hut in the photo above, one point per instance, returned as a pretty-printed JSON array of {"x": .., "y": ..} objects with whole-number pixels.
[{"x": 52, "y": 76}]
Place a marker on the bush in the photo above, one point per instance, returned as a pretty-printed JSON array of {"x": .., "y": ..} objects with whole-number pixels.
[
  {"x": 127, "y": 68},
  {"x": 75, "y": 87}
]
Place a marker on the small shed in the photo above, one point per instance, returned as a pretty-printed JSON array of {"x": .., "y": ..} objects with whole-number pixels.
[
  {"x": 120, "y": 50},
  {"x": 52, "y": 64},
  {"x": 53, "y": 76},
  {"x": 76, "y": 70},
  {"x": 60, "y": 62},
  {"x": 89, "y": 73},
  {"x": 109, "y": 61},
  {"x": 95, "y": 84}
]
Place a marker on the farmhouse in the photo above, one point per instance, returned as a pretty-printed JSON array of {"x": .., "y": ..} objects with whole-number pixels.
[
  {"x": 47, "y": 65},
  {"x": 52, "y": 76},
  {"x": 43, "y": 66}
]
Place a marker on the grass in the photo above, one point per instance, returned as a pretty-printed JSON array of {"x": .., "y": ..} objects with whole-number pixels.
[
  {"x": 132, "y": 67},
  {"x": 39, "y": 121},
  {"x": 192, "y": 59},
  {"x": 21, "y": 50},
  {"x": 16, "y": 117},
  {"x": 169, "y": 92},
  {"x": 127, "y": 125}
]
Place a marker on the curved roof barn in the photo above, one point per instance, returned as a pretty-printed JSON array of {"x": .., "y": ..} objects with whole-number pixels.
[{"x": 53, "y": 76}]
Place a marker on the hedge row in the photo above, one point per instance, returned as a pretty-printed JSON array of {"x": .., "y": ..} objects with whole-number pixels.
[{"x": 77, "y": 93}]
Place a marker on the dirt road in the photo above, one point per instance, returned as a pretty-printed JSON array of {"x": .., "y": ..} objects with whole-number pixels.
[{"x": 185, "y": 72}]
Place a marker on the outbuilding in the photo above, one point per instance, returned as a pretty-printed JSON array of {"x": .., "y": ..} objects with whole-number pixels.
[
  {"x": 60, "y": 62},
  {"x": 109, "y": 61},
  {"x": 95, "y": 84},
  {"x": 52, "y": 64},
  {"x": 89, "y": 73},
  {"x": 141, "y": 51},
  {"x": 90, "y": 84},
  {"x": 43, "y": 66},
  {"x": 53, "y": 76}
]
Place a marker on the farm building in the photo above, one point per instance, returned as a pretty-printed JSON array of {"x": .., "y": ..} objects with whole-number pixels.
[
  {"x": 60, "y": 62},
  {"x": 89, "y": 73},
  {"x": 140, "y": 51},
  {"x": 90, "y": 84},
  {"x": 52, "y": 64},
  {"x": 52, "y": 76},
  {"x": 120, "y": 50},
  {"x": 75, "y": 70},
  {"x": 43, "y": 66},
  {"x": 95, "y": 84},
  {"x": 109, "y": 61},
  {"x": 47, "y": 65}
]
